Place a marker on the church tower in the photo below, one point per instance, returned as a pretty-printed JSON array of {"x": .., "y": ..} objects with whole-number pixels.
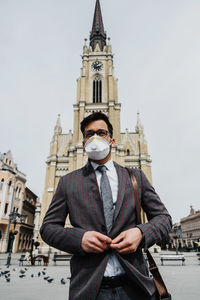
[{"x": 97, "y": 91}]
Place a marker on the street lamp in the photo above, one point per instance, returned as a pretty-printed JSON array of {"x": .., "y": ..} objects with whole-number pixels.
[{"x": 14, "y": 218}]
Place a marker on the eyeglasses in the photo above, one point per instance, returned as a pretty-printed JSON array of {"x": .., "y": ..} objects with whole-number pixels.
[{"x": 100, "y": 132}]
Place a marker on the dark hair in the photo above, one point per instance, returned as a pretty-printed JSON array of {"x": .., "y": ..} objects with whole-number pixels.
[{"x": 94, "y": 117}]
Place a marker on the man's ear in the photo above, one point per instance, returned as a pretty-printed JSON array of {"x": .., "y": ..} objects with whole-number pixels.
[{"x": 112, "y": 142}]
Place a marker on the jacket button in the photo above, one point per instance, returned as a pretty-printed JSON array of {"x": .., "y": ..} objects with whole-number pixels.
[{"x": 103, "y": 227}]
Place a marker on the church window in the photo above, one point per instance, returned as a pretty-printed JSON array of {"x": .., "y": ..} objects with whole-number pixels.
[
  {"x": 9, "y": 186},
  {"x": 6, "y": 208},
  {"x": 128, "y": 152},
  {"x": 97, "y": 90},
  {"x": 1, "y": 183}
]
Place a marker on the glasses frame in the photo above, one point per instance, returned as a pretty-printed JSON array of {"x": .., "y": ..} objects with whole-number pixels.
[{"x": 93, "y": 132}]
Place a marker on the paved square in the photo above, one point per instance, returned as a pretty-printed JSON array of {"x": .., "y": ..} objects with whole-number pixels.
[{"x": 182, "y": 281}]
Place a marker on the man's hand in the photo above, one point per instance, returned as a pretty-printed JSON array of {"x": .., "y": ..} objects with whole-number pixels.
[
  {"x": 127, "y": 241},
  {"x": 95, "y": 242}
]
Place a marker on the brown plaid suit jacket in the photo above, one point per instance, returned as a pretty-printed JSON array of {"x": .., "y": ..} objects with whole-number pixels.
[{"x": 78, "y": 195}]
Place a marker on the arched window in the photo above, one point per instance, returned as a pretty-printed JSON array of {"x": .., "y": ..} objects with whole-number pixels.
[
  {"x": 1, "y": 183},
  {"x": 6, "y": 209},
  {"x": 9, "y": 185},
  {"x": 97, "y": 90}
]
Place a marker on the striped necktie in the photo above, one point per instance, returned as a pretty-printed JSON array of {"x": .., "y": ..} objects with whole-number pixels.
[{"x": 106, "y": 195}]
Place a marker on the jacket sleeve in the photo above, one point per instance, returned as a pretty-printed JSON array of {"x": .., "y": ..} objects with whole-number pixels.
[
  {"x": 53, "y": 232},
  {"x": 159, "y": 221}
]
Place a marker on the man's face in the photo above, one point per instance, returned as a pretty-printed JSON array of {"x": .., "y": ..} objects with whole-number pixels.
[{"x": 97, "y": 126}]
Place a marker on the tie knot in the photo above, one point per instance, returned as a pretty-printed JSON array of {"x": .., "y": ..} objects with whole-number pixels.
[{"x": 102, "y": 169}]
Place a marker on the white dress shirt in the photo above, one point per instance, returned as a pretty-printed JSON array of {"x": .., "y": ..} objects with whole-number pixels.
[{"x": 113, "y": 267}]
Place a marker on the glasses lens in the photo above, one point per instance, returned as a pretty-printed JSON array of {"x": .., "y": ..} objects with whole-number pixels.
[
  {"x": 102, "y": 132},
  {"x": 89, "y": 133}
]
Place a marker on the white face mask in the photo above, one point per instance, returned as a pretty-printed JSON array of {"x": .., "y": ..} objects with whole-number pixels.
[{"x": 97, "y": 148}]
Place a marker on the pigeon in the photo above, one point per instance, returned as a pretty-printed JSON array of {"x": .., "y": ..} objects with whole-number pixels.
[
  {"x": 43, "y": 273},
  {"x": 8, "y": 279},
  {"x": 32, "y": 275},
  {"x": 14, "y": 270},
  {"x": 62, "y": 281},
  {"x": 26, "y": 269},
  {"x": 22, "y": 271},
  {"x": 22, "y": 276},
  {"x": 44, "y": 269},
  {"x": 50, "y": 280},
  {"x": 39, "y": 274},
  {"x": 46, "y": 278},
  {"x": 5, "y": 272}
]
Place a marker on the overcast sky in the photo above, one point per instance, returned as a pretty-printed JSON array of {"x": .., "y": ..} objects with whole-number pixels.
[{"x": 157, "y": 60}]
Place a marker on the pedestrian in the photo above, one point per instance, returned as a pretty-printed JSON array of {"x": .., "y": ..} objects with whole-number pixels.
[
  {"x": 105, "y": 241},
  {"x": 27, "y": 256}
]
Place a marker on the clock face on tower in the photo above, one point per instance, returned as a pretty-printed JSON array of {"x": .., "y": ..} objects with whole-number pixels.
[{"x": 97, "y": 66}]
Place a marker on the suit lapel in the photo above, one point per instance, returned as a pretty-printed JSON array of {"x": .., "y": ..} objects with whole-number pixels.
[
  {"x": 94, "y": 197},
  {"x": 122, "y": 181}
]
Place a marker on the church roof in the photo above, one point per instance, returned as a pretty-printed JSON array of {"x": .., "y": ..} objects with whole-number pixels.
[{"x": 97, "y": 35}]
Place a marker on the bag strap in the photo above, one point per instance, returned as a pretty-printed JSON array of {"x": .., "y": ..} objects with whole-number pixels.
[{"x": 160, "y": 285}]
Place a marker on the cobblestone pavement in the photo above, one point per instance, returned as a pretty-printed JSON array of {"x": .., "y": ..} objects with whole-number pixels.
[{"x": 182, "y": 281}]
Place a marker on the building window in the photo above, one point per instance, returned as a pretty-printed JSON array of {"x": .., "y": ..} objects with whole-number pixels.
[
  {"x": 9, "y": 186},
  {"x": 128, "y": 152},
  {"x": 6, "y": 208},
  {"x": 97, "y": 90},
  {"x": 1, "y": 183}
]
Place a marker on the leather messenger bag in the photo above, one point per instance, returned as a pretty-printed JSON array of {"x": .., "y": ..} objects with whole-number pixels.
[{"x": 160, "y": 285}]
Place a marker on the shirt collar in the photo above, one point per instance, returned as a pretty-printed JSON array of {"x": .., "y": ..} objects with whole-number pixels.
[{"x": 109, "y": 165}]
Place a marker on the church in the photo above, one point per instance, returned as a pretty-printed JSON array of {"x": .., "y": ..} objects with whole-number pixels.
[{"x": 97, "y": 91}]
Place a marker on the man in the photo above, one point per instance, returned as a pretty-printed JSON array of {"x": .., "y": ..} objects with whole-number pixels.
[{"x": 105, "y": 240}]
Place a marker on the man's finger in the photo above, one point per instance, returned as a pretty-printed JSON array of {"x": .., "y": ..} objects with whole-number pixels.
[
  {"x": 118, "y": 239},
  {"x": 127, "y": 250},
  {"x": 105, "y": 239},
  {"x": 100, "y": 244},
  {"x": 119, "y": 246}
]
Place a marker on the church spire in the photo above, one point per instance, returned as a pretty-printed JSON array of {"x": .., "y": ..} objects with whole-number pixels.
[
  {"x": 58, "y": 128},
  {"x": 98, "y": 35},
  {"x": 139, "y": 127}
]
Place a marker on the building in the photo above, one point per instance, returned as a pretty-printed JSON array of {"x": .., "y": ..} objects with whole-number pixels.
[
  {"x": 15, "y": 196},
  {"x": 37, "y": 220},
  {"x": 190, "y": 227},
  {"x": 97, "y": 90}
]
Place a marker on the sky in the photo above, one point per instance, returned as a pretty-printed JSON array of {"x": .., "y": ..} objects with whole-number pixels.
[{"x": 156, "y": 47}]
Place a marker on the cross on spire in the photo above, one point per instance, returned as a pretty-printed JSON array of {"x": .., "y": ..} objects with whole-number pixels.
[{"x": 98, "y": 35}]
